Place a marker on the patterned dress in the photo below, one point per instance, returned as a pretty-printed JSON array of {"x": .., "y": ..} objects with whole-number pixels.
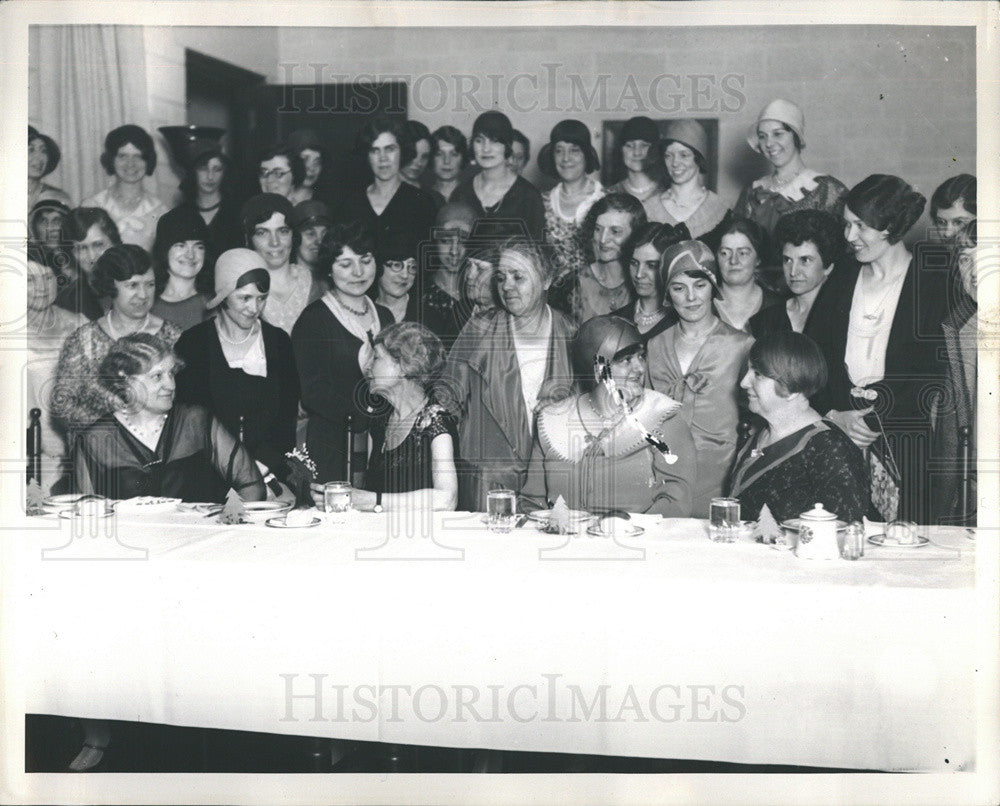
[
  {"x": 77, "y": 398},
  {"x": 816, "y": 463},
  {"x": 766, "y": 206},
  {"x": 562, "y": 232},
  {"x": 408, "y": 466}
]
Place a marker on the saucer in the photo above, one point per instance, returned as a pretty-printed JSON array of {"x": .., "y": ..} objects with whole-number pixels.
[
  {"x": 882, "y": 540},
  {"x": 280, "y": 523}
]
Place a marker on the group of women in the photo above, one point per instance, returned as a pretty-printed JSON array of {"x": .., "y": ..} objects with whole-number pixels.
[{"x": 603, "y": 344}]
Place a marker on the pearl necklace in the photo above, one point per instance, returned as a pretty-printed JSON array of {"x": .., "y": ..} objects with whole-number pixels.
[
  {"x": 640, "y": 191},
  {"x": 235, "y": 342},
  {"x": 647, "y": 318},
  {"x": 113, "y": 332}
]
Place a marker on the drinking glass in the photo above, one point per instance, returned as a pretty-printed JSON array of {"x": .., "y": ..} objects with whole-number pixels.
[
  {"x": 724, "y": 520},
  {"x": 336, "y": 501},
  {"x": 501, "y": 510}
]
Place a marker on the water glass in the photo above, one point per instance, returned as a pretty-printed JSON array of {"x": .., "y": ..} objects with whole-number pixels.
[
  {"x": 501, "y": 510},
  {"x": 854, "y": 542},
  {"x": 336, "y": 501},
  {"x": 724, "y": 520}
]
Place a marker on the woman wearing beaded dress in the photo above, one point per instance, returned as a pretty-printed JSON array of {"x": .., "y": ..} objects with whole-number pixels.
[{"x": 779, "y": 135}]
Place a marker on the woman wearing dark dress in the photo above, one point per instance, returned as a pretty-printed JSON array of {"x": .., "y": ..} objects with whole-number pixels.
[
  {"x": 442, "y": 306},
  {"x": 90, "y": 232},
  {"x": 880, "y": 331},
  {"x": 388, "y": 208},
  {"x": 241, "y": 368},
  {"x": 651, "y": 312},
  {"x": 208, "y": 187},
  {"x": 740, "y": 252},
  {"x": 506, "y": 203},
  {"x": 449, "y": 156},
  {"x": 332, "y": 344},
  {"x": 413, "y": 445},
  {"x": 810, "y": 244},
  {"x": 149, "y": 445},
  {"x": 796, "y": 458}
]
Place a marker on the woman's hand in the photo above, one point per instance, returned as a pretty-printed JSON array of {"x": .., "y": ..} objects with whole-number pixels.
[
  {"x": 853, "y": 424},
  {"x": 363, "y": 500},
  {"x": 317, "y": 495}
]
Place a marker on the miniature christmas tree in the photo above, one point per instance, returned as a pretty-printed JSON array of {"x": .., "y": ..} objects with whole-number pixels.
[
  {"x": 559, "y": 521},
  {"x": 34, "y": 499},
  {"x": 232, "y": 512},
  {"x": 767, "y": 529}
]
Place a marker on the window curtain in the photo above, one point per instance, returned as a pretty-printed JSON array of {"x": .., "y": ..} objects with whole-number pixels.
[{"x": 88, "y": 80}]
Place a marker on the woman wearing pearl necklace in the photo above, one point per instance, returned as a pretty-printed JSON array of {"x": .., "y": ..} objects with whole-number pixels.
[
  {"x": 241, "y": 368},
  {"x": 124, "y": 274}
]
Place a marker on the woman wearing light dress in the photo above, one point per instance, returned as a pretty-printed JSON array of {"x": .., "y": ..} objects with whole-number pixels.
[
  {"x": 779, "y": 135},
  {"x": 267, "y": 227},
  {"x": 686, "y": 200},
  {"x": 699, "y": 361},
  {"x": 129, "y": 156}
]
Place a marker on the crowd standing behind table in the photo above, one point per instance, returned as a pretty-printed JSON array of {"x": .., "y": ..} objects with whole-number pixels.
[{"x": 585, "y": 272}]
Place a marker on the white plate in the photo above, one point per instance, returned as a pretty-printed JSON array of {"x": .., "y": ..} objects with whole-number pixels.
[
  {"x": 56, "y": 503},
  {"x": 260, "y": 511},
  {"x": 280, "y": 523},
  {"x": 576, "y": 516},
  {"x": 882, "y": 540},
  {"x": 147, "y": 503},
  {"x": 631, "y": 531},
  {"x": 69, "y": 514}
]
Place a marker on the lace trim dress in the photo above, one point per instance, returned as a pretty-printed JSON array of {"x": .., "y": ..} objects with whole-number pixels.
[{"x": 408, "y": 466}]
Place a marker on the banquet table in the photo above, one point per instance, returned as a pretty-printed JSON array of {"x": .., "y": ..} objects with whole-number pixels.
[{"x": 428, "y": 629}]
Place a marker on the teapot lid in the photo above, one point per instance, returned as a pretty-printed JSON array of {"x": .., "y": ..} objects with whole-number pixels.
[{"x": 817, "y": 513}]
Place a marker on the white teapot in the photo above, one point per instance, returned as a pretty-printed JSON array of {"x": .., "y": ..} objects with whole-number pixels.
[{"x": 817, "y": 535}]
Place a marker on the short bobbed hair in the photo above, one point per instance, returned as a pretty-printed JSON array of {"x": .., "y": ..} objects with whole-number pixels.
[
  {"x": 452, "y": 136},
  {"x": 886, "y": 203},
  {"x": 351, "y": 236},
  {"x": 128, "y": 135},
  {"x": 657, "y": 235},
  {"x": 80, "y": 220},
  {"x": 131, "y": 355},
  {"x": 416, "y": 349},
  {"x": 612, "y": 203},
  {"x": 818, "y": 227},
  {"x": 118, "y": 264},
  {"x": 381, "y": 125},
  {"x": 792, "y": 360},
  {"x": 520, "y": 137},
  {"x": 295, "y": 163},
  {"x": 958, "y": 188}
]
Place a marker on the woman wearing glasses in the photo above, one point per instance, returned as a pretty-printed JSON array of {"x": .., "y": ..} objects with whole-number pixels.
[
  {"x": 280, "y": 170},
  {"x": 395, "y": 275}
]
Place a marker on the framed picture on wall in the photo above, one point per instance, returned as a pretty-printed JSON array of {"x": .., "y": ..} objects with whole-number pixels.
[{"x": 613, "y": 169}]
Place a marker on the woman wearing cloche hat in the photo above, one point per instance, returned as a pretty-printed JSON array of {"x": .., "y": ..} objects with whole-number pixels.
[
  {"x": 686, "y": 200},
  {"x": 699, "y": 361},
  {"x": 779, "y": 134}
]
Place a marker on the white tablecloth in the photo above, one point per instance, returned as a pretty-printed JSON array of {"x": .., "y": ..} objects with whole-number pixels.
[{"x": 697, "y": 650}]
